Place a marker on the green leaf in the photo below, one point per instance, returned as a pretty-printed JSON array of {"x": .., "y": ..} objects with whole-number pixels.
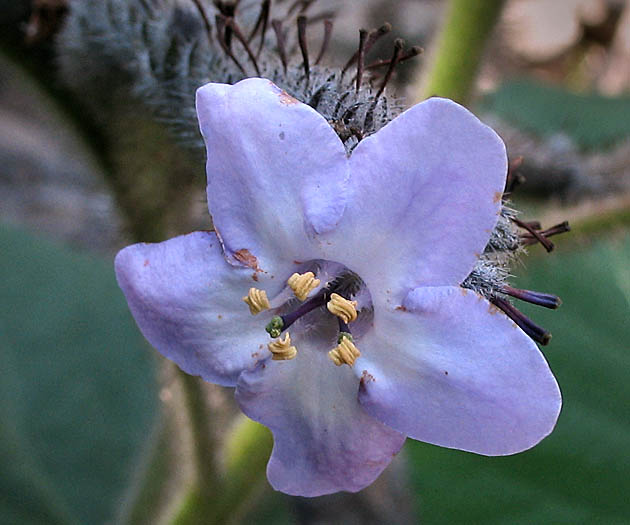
[
  {"x": 593, "y": 121},
  {"x": 78, "y": 385},
  {"x": 579, "y": 474}
]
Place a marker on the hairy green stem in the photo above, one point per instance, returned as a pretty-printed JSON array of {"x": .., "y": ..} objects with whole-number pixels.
[{"x": 466, "y": 29}]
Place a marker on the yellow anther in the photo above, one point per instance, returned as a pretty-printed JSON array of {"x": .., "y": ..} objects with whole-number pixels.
[
  {"x": 303, "y": 284},
  {"x": 281, "y": 349},
  {"x": 342, "y": 308},
  {"x": 256, "y": 300},
  {"x": 344, "y": 353}
]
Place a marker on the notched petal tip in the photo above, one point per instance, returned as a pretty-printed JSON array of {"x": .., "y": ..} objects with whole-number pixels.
[
  {"x": 438, "y": 150},
  {"x": 445, "y": 108},
  {"x": 206, "y": 99},
  {"x": 276, "y": 170},
  {"x": 324, "y": 442}
]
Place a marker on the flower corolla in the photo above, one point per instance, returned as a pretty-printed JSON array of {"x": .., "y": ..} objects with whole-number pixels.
[{"x": 329, "y": 295}]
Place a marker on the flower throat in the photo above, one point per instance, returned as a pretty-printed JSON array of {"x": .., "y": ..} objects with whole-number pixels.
[{"x": 336, "y": 295}]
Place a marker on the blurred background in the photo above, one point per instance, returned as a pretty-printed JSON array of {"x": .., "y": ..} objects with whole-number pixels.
[{"x": 88, "y": 409}]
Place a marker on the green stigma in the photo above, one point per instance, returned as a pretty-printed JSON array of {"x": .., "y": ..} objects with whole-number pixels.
[{"x": 274, "y": 328}]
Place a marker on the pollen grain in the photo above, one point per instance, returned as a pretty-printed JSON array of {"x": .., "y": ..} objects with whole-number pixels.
[
  {"x": 342, "y": 308},
  {"x": 256, "y": 300},
  {"x": 303, "y": 284},
  {"x": 344, "y": 353},
  {"x": 281, "y": 349}
]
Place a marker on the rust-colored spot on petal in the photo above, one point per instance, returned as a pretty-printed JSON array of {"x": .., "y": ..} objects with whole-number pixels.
[
  {"x": 366, "y": 377},
  {"x": 498, "y": 196},
  {"x": 247, "y": 259},
  {"x": 401, "y": 308},
  {"x": 287, "y": 99},
  {"x": 255, "y": 276},
  {"x": 463, "y": 291},
  {"x": 146, "y": 262}
]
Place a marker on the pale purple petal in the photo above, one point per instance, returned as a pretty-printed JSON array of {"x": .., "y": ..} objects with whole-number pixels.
[
  {"x": 186, "y": 300},
  {"x": 425, "y": 192},
  {"x": 450, "y": 369},
  {"x": 324, "y": 441},
  {"x": 277, "y": 172}
]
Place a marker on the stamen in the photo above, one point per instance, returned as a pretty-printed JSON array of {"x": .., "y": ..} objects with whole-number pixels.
[
  {"x": 222, "y": 31},
  {"x": 280, "y": 40},
  {"x": 345, "y": 310},
  {"x": 256, "y": 300},
  {"x": 537, "y": 333},
  {"x": 539, "y": 236},
  {"x": 563, "y": 227},
  {"x": 281, "y": 349},
  {"x": 374, "y": 35},
  {"x": 369, "y": 116},
  {"x": 398, "y": 46},
  {"x": 230, "y": 22},
  {"x": 328, "y": 25},
  {"x": 264, "y": 7},
  {"x": 263, "y": 19},
  {"x": 303, "y": 284},
  {"x": 363, "y": 33},
  {"x": 280, "y": 323},
  {"x": 538, "y": 298},
  {"x": 204, "y": 17},
  {"x": 227, "y": 10},
  {"x": 345, "y": 352},
  {"x": 342, "y": 308},
  {"x": 301, "y": 22},
  {"x": 410, "y": 53}
]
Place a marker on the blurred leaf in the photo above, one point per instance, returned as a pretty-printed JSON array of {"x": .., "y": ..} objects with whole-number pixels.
[
  {"x": 579, "y": 474},
  {"x": 78, "y": 388},
  {"x": 592, "y": 121}
]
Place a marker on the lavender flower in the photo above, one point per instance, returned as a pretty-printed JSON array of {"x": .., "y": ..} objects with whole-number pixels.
[{"x": 352, "y": 263}]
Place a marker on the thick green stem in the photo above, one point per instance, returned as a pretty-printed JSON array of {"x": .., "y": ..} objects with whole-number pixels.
[
  {"x": 467, "y": 26},
  {"x": 248, "y": 445},
  {"x": 203, "y": 442}
]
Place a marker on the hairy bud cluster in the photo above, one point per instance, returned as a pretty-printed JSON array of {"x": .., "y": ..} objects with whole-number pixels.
[{"x": 163, "y": 50}]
